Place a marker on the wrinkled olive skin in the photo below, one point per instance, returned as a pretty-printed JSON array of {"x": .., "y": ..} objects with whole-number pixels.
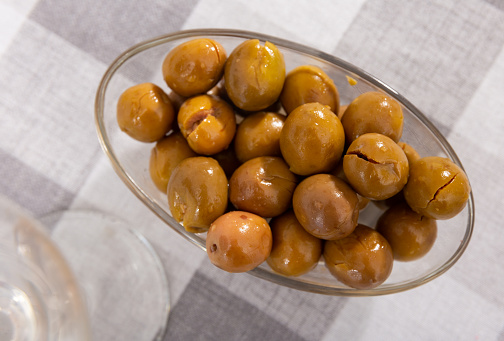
[
  {"x": 263, "y": 185},
  {"x": 254, "y": 75},
  {"x": 259, "y": 135},
  {"x": 194, "y": 67},
  {"x": 326, "y": 206},
  {"x": 410, "y": 234},
  {"x": 362, "y": 260},
  {"x": 312, "y": 139},
  {"x": 165, "y": 156},
  {"x": 373, "y": 112},
  {"x": 145, "y": 112},
  {"x": 410, "y": 152},
  {"x": 294, "y": 251},
  {"x": 197, "y": 193},
  {"x": 309, "y": 84},
  {"x": 437, "y": 188},
  {"x": 376, "y": 166},
  {"x": 238, "y": 241},
  {"x": 208, "y": 123}
]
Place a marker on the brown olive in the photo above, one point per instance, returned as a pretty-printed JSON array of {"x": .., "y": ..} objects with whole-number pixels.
[
  {"x": 373, "y": 112},
  {"x": 338, "y": 171},
  {"x": 165, "y": 156},
  {"x": 410, "y": 234},
  {"x": 238, "y": 241},
  {"x": 254, "y": 75},
  {"x": 194, "y": 67},
  {"x": 411, "y": 154},
  {"x": 308, "y": 84},
  {"x": 326, "y": 206},
  {"x": 437, "y": 188},
  {"x": 259, "y": 135},
  {"x": 263, "y": 185},
  {"x": 145, "y": 112},
  {"x": 362, "y": 260},
  {"x": 227, "y": 160},
  {"x": 312, "y": 139},
  {"x": 376, "y": 166},
  {"x": 197, "y": 193},
  {"x": 208, "y": 123},
  {"x": 294, "y": 250},
  {"x": 341, "y": 111}
]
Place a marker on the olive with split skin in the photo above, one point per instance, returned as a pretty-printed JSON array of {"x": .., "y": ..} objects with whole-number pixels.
[
  {"x": 238, "y": 241},
  {"x": 165, "y": 156},
  {"x": 326, "y": 206},
  {"x": 263, "y": 185},
  {"x": 254, "y": 75},
  {"x": 437, "y": 188},
  {"x": 208, "y": 123},
  {"x": 294, "y": 251},
  {"x": 197, "y": 193},
  {"x": 362, "y": 260},
  {"x": 259, "y": 135},
  {"x": 312, "y": 139},
  {"x": 194, "y": 67},
  {"x": 145, "y": 112},
  {"x": 309, "y": 84}
]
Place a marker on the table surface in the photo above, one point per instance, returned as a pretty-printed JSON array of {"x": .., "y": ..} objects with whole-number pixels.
[{"x": 446, "y": 57}]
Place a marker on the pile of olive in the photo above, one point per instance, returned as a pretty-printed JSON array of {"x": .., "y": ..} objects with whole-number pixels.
[{"x": 274, "y": 169}]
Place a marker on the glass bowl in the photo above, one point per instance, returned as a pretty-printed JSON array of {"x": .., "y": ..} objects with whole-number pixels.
[{"x": 130, "y": 158}]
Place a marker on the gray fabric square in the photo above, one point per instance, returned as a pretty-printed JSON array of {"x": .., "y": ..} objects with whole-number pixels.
[
  {"x": 106, "y": 28},
  {"x": 439, "y": 74},
  {"x": 197, "y": 316}
]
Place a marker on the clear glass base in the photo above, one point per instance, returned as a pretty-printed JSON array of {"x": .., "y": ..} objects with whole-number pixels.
[{"x": 121, "y": 276}]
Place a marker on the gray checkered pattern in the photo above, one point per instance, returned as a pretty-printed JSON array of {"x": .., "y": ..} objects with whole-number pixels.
[{"x": 446, "y": 57}]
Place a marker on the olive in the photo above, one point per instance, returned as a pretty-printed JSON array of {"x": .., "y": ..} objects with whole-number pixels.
[
  {"x": 338, "y": 171},
  {"x": 326, "y": 206},
  {"x": 362, "y": 260},
  {"x": 165, "y": 156},
  {"x": 410, "y": 152},
  {"x": 254, "y": 75},
  {"x": 410, "y": 234},
  {"x": 373, "y": 112},
  {"x": 238, "y": 241},
  {"x": 294, "y": 251},
  {"x": 194, "y": 67},
  {"x": 263, "y": 185},
  {"x": 375, "y": 166},
  {"x": 341, "y": 111},
  {"x": 312, "y": 139},
  {"x": 308, "y": 84},
  {"x": 197, "y": 192},
  {"x": 208, "y": 123},
  {"x": 227, "y": 160},
  {"x": 437, "y": 188},
  {"x": 259, "y": 135},
  {"x": 145, "y": 112}
]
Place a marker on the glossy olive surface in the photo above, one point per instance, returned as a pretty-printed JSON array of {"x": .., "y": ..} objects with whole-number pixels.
[
  {"x": 410, "y": 234},
  {"x": 309, "y": 84},
  {"x": 376, "y": 166},
  {"x": 362, "y": 260},
  {"x": 294, "y": 251},
  {"x": 238, "y": 241},
  {"x": 194, "y": 67},
  {"x": 165, "y": 156},
  {"x": 263, "y": 185},
  {"x": 259, "y": 135},
  {"x": 254, "y": 75},
  {"x": 437, "y": 188},
  {"x": 373, "y": 112},
  {"x": 197, "y": 192},
  {"x": 326, "y": 206},
  {"x": 208, "y": 123},
  {"x": 145, "y": 112},
  {"x": 312, "y": 139}
]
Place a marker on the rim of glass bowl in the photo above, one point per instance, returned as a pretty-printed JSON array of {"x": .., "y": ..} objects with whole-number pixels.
[{"x": 198, "y": 241}]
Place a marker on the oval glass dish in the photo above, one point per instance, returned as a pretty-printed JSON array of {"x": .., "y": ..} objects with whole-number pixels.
[{"x": 130, "y": 158}]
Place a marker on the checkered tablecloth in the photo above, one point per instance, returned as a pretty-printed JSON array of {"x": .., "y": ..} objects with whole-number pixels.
[{"x": 445, "y": 56}]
